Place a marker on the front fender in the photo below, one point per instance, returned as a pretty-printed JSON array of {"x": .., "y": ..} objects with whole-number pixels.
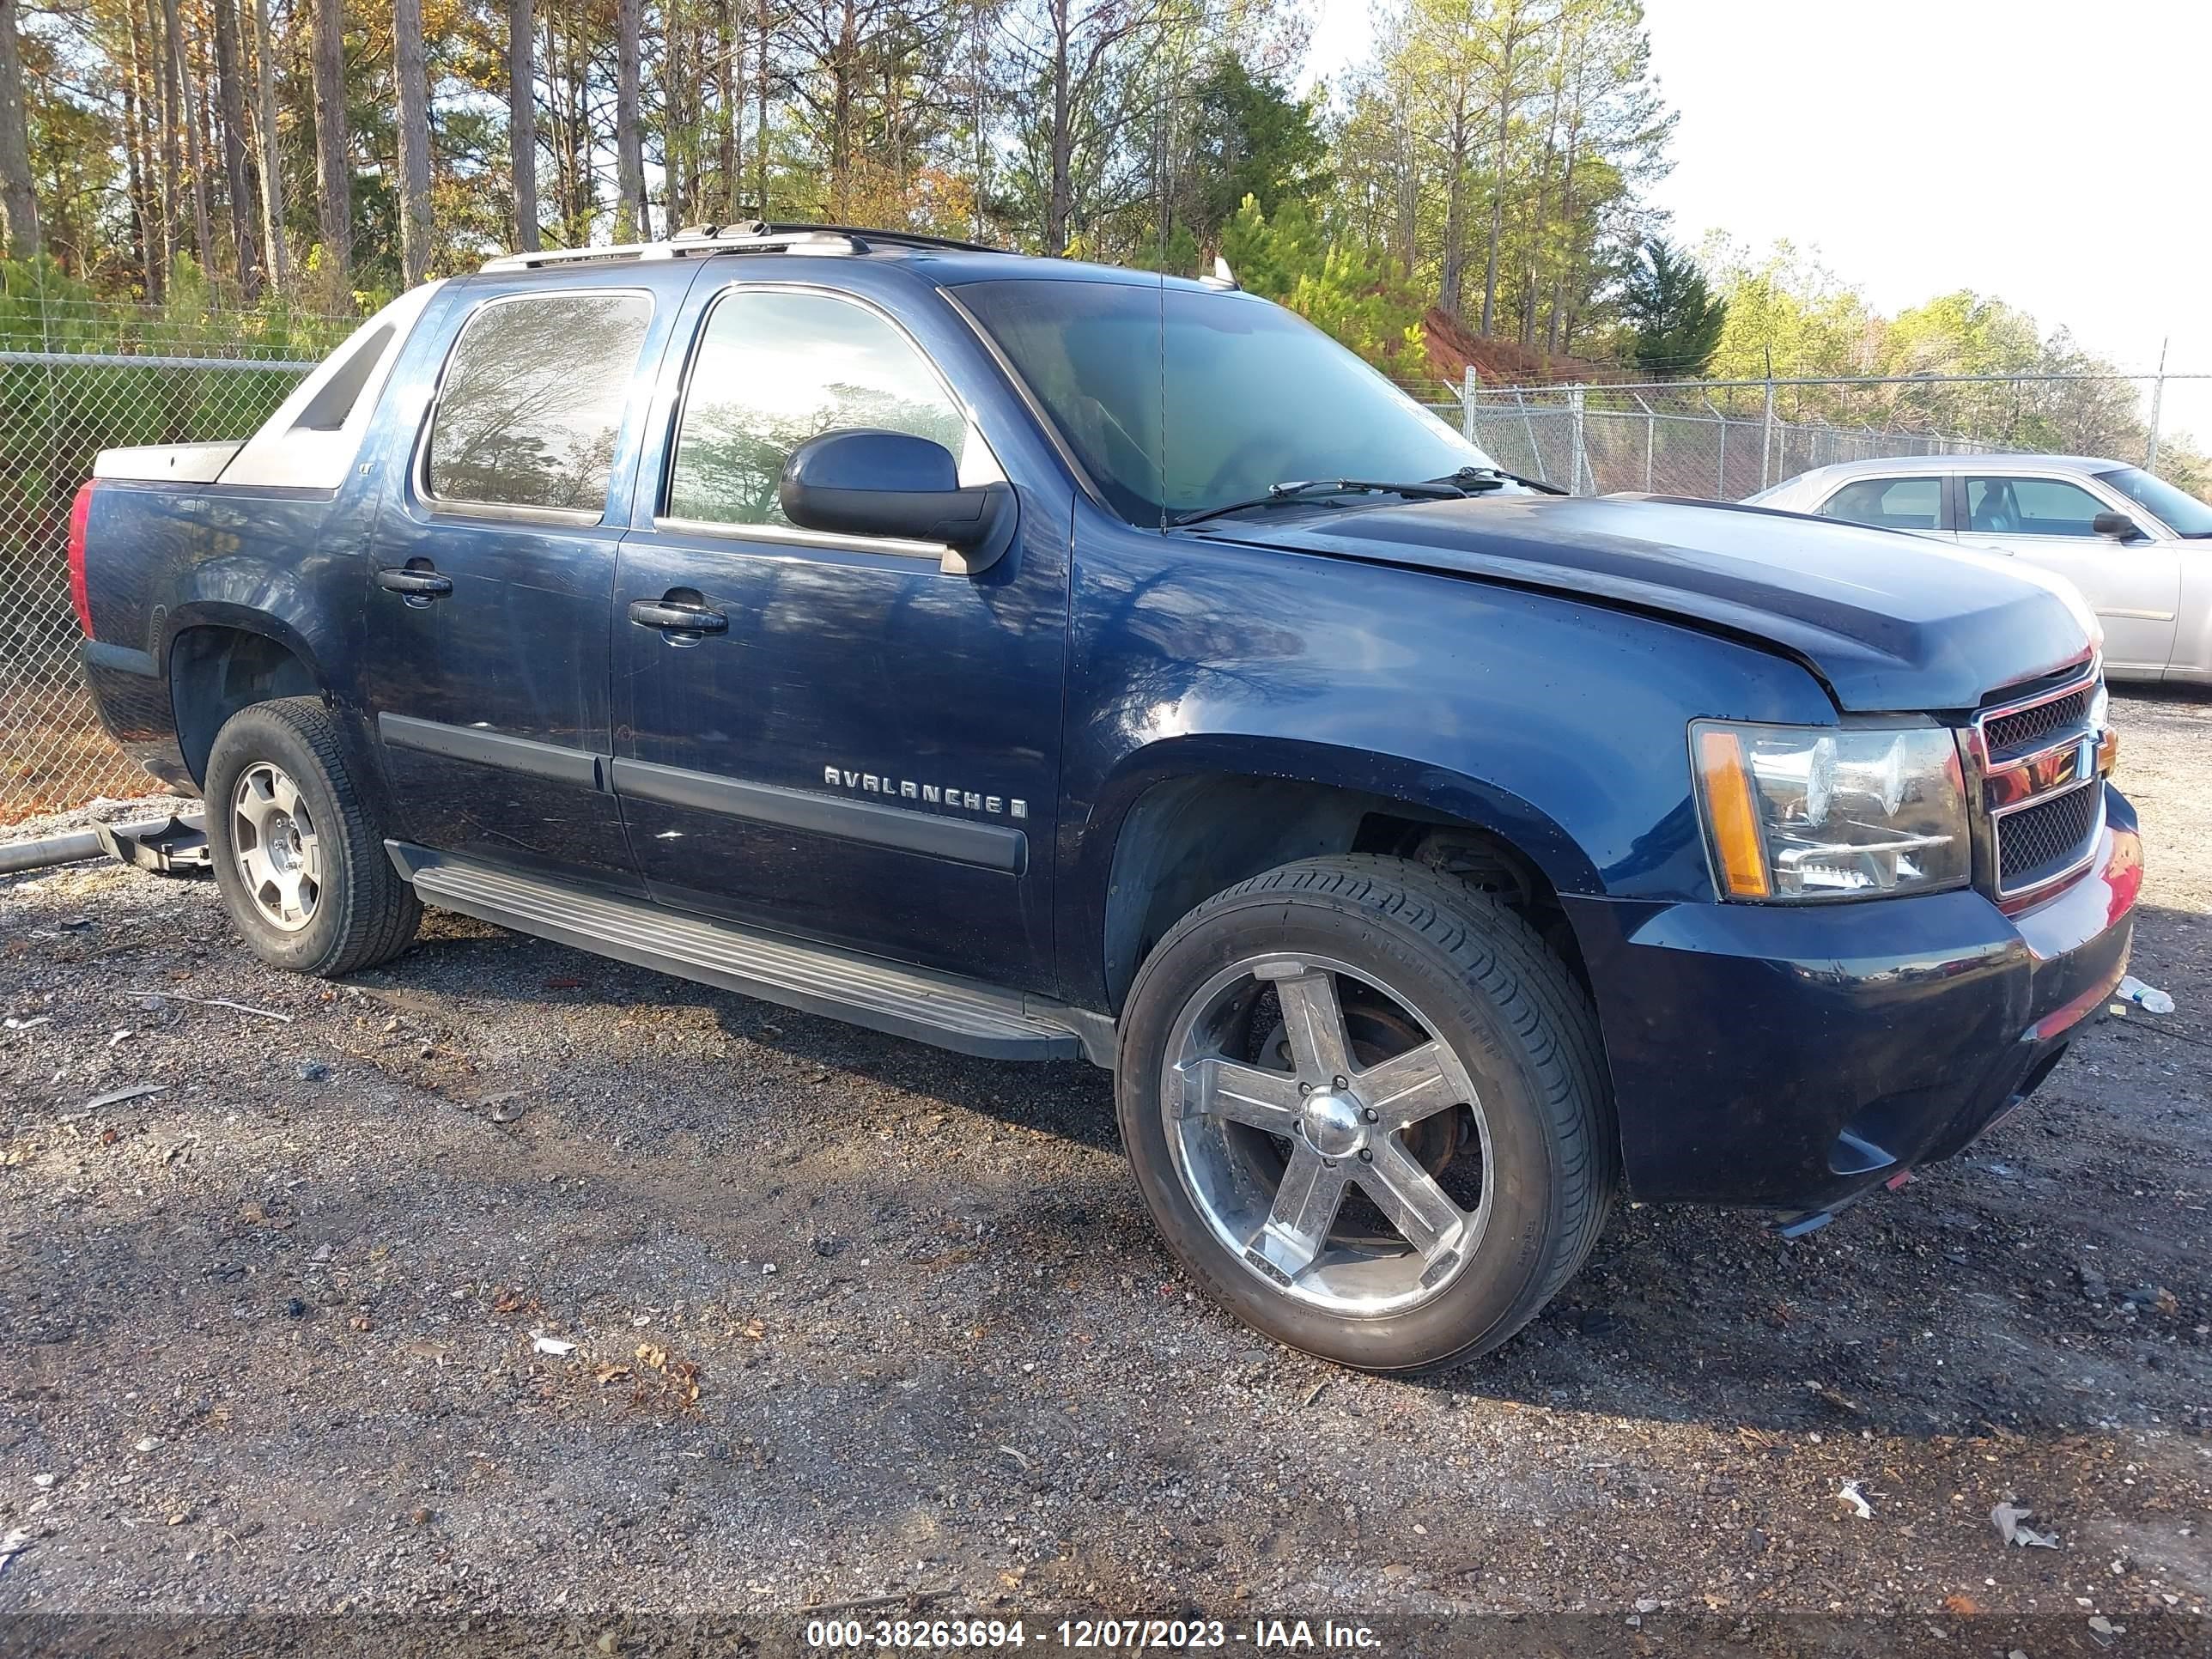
[{"x": 1558, "y": 724}]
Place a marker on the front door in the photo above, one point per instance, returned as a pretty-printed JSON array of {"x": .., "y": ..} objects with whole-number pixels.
[
  {"x": 493, "y": 571},
  {"x": 854, "y": 742},
  {"x": 2133, "y": 585}
]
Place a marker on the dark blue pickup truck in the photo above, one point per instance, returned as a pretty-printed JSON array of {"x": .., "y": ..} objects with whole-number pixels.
[{"x": 1041, "y": 660}]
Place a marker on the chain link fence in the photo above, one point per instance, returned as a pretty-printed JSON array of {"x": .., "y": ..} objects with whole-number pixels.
[
  {"x": 1672, "y": 440},
  {"x": 75, "y": 378},
  {"x": 1724, "y": 439}
]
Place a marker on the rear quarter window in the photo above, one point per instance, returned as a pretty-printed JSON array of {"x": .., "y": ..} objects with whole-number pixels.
[
  {"x": 1889, "y": 503},
  {"x": 531, "y": 403}
]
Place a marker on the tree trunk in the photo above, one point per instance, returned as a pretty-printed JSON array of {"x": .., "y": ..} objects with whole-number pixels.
[
  {"x": 1409, "y": 194},
  {"x": 135, "y": 100},
  {"x": 272, "y": 170},
  {"x": 582, "y": 179},
  {"x": 556, "y": 115},
  {"x": 732, "y": 78},
  {"x": 1059, "y": 199},
  {"x": 979, "y": 64},
  {"x": 333, "y": 143},
  {"x": 1509, "y": 49},
  {"x": 844, "y": 64},
  {"x": 19, "y": 196},
  {"x": 187, "y": 109},
  {"x": 760, "y": 113},
  {"x": 231, "y": 90},
  {"x": 1451, "y": 285},
  {"x": 165, "y": 120},
  {"x": 1496, "y": 208},
  {"x": 675, "y": 193},
  {"x": 522, "y": 120},
  {"x": 632, "y": 222},
  {"x": 414, "y": 77}
]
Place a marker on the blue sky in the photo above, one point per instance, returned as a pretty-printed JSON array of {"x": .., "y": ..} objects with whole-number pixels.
[{"x": 2053, "y": 156}]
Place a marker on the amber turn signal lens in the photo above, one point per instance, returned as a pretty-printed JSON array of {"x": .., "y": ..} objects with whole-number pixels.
[{"x": 1733, "y": 818}]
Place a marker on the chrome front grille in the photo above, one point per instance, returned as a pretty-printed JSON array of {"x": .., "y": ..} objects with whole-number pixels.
[{"x": 2042, "y": 788}]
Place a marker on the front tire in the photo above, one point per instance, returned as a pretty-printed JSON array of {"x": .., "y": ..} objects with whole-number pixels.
[
  {"x": 298, "y": 847},
  {"x": 1367, "y": 1109}
]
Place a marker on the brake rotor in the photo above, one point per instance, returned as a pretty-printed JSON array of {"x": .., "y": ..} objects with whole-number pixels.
[{"x": 1375, "y": 1034}]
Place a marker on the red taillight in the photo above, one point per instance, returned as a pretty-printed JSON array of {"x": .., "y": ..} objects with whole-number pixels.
[{"x": 79, "y": 510}]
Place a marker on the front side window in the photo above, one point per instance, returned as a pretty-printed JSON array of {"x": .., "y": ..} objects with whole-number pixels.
[
  {"x": 1179, "y": 400},
  {"x": 2030, "y": 506},
  {"x": 1891, "y": 503},
  {"x": 775, "y": 368},
  {"x": 2183, "y": 512},
  {"x": 532, "y": 402}
]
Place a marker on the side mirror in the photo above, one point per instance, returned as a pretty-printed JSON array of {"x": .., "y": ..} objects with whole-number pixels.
[
  {"x": 2117, "y": 526},
  {"x": 862, "y": 481}
]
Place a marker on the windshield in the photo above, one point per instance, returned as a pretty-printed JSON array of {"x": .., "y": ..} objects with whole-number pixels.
[
  {"x": 1176, "y": 400},
  {"x": 2181, "y": 511}
]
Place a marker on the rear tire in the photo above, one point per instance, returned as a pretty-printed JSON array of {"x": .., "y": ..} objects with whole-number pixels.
[
  {"x": 298, "y": 845},
  {"x": 1368, "y": 1109}
]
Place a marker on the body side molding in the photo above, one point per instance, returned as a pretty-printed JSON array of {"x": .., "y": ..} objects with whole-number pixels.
[
  {"x": 579, "y": 767},
  {"x": 991, "y": 846}
]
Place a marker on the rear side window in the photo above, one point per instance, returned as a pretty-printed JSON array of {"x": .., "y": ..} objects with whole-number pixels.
[
  {"x": 532, "y": 398},
  {"x": 1891, "y": 503},
  {"x": 775, "y": 368}
]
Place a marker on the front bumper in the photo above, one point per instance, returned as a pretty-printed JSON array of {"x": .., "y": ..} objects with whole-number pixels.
[{"x": 1791, "y": 1057}]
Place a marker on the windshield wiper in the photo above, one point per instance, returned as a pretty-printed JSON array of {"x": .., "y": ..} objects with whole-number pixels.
[
  {"x": 1297, "y": 489},
  {"x": 1493, "y": 478}
]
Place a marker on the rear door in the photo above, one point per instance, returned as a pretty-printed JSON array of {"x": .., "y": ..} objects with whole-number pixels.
[
  {"x": 2133, "y": 585},
  {"x": 504, "y": 482},
  {"x": 866, "y": 747}
]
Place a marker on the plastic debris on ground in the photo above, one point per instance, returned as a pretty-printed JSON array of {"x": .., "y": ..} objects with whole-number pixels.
[
  {"x": 2149, "y": 998},
  {"x": 117, "y": 1096},
  {"x": 1850, "y": 1494},
  {"x": 2007, "y": 1519},
  {"x": 559, "y": 1347}
]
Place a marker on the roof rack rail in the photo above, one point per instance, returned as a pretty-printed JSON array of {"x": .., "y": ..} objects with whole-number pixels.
[
  {"x": 865, "y": 233},
  {"x": 748, "y": 235}
]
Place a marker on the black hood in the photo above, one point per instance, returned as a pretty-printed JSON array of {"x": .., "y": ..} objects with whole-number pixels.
[{"x": 1889, "y": 621}]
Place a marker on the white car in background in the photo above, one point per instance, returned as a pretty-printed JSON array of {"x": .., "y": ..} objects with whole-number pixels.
[{"x": 2139, "y": 549}]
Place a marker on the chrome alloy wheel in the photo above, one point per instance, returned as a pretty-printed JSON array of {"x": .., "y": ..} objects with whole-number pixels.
[
  {"x": 1279, "y": 1127},
  {"x": 274, "y": 843}
]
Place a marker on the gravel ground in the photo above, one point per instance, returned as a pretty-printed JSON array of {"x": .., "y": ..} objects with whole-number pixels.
[{"x": 855, "y": 1322}]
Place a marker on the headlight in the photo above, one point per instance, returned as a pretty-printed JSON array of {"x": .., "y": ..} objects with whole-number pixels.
[{"x": 1804, "y": 812}]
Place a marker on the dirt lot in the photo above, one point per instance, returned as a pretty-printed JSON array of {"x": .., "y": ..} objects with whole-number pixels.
[{"x": 856, "y": 1321}]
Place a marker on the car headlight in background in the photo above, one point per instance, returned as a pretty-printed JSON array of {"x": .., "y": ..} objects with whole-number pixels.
[{"x": 1814, "y": 812}]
